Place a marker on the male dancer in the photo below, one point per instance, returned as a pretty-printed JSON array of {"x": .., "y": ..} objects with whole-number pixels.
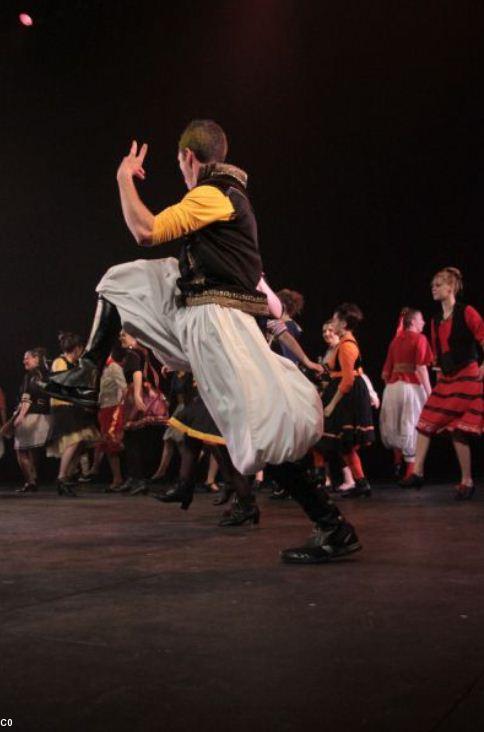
[{"x": 197, "y": 314}]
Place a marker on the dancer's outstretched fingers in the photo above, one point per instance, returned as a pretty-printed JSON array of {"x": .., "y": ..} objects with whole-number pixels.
[{"x": 142, "y": 153}]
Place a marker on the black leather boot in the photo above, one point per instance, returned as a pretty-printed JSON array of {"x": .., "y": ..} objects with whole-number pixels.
[
  {"x": 224, "y": 495},
  {"x": 244, "y": 510},
  {"x": 314, "y": 501},
  {"x": 326, "y": 544},
  {"x": 182, "y": 492},
  {"x": 81, "y": 384}
]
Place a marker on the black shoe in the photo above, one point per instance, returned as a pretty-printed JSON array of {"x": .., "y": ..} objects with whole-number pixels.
[
  {"x": 224, "y": 495},
  {"x": 158, "y": 480},
  {"x": 27, "y": 488},
  {"x": 279, "y": 494},
  {"x": 361, "y": 488},
  {"x": 124, "y": 487},
  {"x": 138, "y": 487},
  {"x": 182, "y": 492},
  {"x": 464, "y": 492},
  {"x": 324, "y": 546},
  {"x": 413, "y": 481},
  {"x": 64, "y": 488},
  {"x": 242, "y": 512}
]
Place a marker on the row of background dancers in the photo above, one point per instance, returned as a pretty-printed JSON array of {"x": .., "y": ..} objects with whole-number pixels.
[{"x": 409, "y": 407}]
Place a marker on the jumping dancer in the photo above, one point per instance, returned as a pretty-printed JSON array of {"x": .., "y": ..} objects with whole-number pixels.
[
  {"x": 197, "y": 315},
  {"x": 456, "y": 402}
]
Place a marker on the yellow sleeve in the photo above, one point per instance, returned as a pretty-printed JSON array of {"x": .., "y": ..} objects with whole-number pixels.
[
  {"x": 201, "y": 206},
  {"x": 58, "y": 365}
]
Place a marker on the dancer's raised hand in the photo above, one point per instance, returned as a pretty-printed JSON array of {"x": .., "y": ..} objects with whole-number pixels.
[{"x": 132, "y": 164}]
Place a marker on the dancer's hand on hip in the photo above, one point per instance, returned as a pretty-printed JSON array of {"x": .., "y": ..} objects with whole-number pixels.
[{"x": 132, "y": 164}]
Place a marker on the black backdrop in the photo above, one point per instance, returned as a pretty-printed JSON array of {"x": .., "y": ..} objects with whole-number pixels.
[{"x": 360, "y": 124}]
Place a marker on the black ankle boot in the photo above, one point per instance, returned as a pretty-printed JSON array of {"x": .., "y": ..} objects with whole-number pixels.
[
  {"x": 182, "y": 492},
  {"x": 244, "y": 510},
  {"x": 64, "y": 488},
  {"x": 325, "y": 544},
  {"x": 81, "y": 384},
  {"x": 224, "y": 495}
]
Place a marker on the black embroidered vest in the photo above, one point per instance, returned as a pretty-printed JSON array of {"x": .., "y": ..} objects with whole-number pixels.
[{"x": 221, "y": 262}]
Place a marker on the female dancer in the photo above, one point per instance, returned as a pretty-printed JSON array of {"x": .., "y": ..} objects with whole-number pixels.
[
  {"x": 348, "y": 423},
  {"x": 456, "y": 402},
  {"x": 111, "y": 418},
  {"x": 32, "y": 424},
  {"x": 407, "y": 387},
  {"x": 73, "y": 426},
  {"x": 145, "y": 409},
  {"x": 338, "y": 475}
]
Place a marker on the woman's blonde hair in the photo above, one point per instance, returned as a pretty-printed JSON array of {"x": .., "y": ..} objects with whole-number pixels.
[{"x": 452, "y": 276}]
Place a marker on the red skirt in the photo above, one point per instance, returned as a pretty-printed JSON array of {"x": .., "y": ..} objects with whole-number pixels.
[
  {"x": 455, "y": 404},
  {"x": 111, "y": 423}
]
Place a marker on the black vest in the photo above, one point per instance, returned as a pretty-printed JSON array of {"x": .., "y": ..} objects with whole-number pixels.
[
  {"x": 224, "y": 255},
  {"x": 462, "y": 344}
]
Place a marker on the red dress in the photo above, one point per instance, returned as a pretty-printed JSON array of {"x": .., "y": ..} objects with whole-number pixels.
[{"x": 456, "y": 402}]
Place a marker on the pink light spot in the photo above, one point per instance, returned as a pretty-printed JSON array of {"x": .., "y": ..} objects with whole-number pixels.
[{"x": 25, "y": 19}]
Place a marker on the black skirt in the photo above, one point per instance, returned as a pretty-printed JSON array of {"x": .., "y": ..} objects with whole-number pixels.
[
  {"x": 196, "y": 421},
  {"x": 70, "y": 418},
  {"x": 351, "y": 423}
]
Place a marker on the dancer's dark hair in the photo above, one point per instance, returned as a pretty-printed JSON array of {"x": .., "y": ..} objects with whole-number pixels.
[
  {"x": 350, "y": 313},
  {"x": 118, "y": 353},
  {"x": 40, "y": 353},
  {"x": 206, "y": 139},
  {"x": 68, "y": 341}
]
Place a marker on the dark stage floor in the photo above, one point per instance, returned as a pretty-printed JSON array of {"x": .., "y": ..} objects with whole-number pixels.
[{"x": 119, "y": 613}]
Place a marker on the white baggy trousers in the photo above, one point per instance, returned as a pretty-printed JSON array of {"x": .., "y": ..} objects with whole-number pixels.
[{"x": 265, "y": 408}]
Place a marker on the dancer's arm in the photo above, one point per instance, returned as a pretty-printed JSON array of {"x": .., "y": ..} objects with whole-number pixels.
[
  {"x": 201, "y": 206},
  {"x": 24, "y": 409},
  {"x": 138, "y": 391},
  {"x": 423, "y": 377},
  {"x": 476, "y": 325},
  {"x": 298, "y": 352},
  {"x": 138, "y": 217},
  {"x": 347, "y": 354}
]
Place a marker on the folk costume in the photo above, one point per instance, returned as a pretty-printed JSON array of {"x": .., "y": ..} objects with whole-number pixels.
[
  {"x": 35, "y": 428},
  {"x": 403, "y": 396},
  {"x": 71, "y": 423},
  {"x": 351, "y": 423},
  {"x": 111, "y": 407},
  {"x": 456, "y": 402}
]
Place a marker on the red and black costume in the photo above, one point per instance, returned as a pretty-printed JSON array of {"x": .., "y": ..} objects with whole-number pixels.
[{"x": 456, "y": 402}]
